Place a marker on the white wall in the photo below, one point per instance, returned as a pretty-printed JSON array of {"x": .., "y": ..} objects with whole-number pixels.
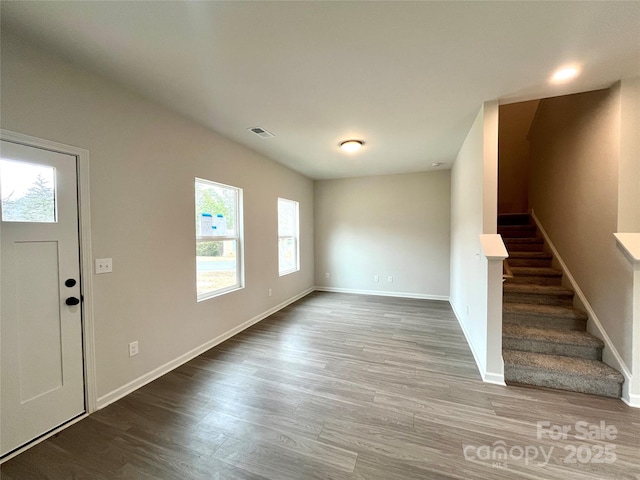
[
  {"x": 474, "y": 212},
  {"x": 392, "y": 225},
  {"x": 143, "y": 161}
]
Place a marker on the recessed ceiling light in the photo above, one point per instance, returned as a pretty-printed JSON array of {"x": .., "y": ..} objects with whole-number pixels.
[
  {"x": 565, "y": 74},
  {"x": 351, "y": 146}
]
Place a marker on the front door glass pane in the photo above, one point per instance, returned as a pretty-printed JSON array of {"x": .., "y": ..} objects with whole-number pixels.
[{"x": 27, "y": 192}]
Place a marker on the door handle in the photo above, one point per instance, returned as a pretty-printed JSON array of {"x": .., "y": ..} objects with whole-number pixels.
[{"x": 72, "y": 301}]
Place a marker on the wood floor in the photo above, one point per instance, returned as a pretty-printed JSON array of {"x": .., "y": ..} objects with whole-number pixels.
[{"x": 338, "y": 387}]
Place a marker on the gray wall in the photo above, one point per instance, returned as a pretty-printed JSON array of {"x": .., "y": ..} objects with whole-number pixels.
[
  {"x": 391, "y": 225},
  {"x": 513, "y": 156},
  {"x": 575, "y": 143},
  {"x": 143, "y": 162}
]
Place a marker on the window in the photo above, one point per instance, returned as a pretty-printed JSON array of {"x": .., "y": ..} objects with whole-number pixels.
[
  {"x": 28, "y": 192},
  {"x": 288, "y": 237},
  {"x": 219, "y": 266}
]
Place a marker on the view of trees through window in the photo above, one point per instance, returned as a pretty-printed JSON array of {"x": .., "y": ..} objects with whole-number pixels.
[
  {"x": 218, "y": 243},
  {"x": 214, "y": 201},
  {"x": 28, "y": 193}
]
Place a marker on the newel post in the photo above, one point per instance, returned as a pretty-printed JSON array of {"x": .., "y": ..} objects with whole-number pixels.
[
  {"x": 494, "y": 251},
  {"x": 630, "y": 244}
]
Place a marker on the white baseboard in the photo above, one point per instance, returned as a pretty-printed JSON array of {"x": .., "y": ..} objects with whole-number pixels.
[
  {"x": 610, "y": 354},
  {"x": 133, "y": 385},
  {"x": 487, "y": 377},
  {"x": 422, "y": 296},
  {"x": 632, "y": 400},
  {"x": 466, "y": 335},
  {"x": 495, "y": 378}
]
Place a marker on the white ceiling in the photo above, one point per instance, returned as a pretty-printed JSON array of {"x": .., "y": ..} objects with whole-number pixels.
[{"x": 405, "y": 77}]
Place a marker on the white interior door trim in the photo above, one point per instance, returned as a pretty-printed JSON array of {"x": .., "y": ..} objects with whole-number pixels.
[{"x": 86, "y": 257}]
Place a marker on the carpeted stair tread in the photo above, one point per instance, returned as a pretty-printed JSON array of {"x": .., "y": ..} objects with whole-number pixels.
[
  {"x": 559, "y": 364},
  {"x": 517, "y": 240},
  {"x": 536, "y": 271},
  {"x": 530, "y": 255},
  {"x": 517, "y": 228},
  {"x": 532, "y": 289},
  {"x": 564, "y": 373},
  {"x": 523, "y": 244},
  {"x": 565, "y": 337},
  {"x": 559, "y": 317},
  {"x": 544, "y": 310},
  {"x": 512, "y": 231}
]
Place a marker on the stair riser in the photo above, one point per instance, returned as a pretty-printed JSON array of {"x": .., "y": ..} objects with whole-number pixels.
[
  {"x": 573, "y": 383},
  {"x": 545, "y": 322},
  {"x": 530, "y": 262},
  {"x": 514, "y": 219},
  {"x": 537, "y": 299},
  {"x": 550, "y": 348},
  {"x": 534, "y": 280},
  {"x": 523, "y": 247},
  {"x": 517, "y": 232}
]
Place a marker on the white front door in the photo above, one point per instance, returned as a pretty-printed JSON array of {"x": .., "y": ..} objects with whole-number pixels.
[{"x": 41, "y": 356}]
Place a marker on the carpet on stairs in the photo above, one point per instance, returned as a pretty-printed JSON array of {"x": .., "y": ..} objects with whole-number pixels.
[{"x": 545, "y": 342}]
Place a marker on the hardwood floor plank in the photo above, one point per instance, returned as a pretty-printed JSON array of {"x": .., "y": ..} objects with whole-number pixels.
[
  {"x": 325, "y": 408},
  {"x": 342, "y": 387},
  {"x": 310, "y": 448},
  {"x": 274, "y": 462},
  {"x": 374, "y": 467}
]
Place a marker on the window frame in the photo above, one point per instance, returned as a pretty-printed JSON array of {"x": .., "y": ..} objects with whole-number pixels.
[
  {"x": 295, "y": 237},
  {"x": 238, "y": 238}
]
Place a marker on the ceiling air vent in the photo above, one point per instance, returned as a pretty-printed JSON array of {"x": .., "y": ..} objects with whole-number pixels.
[{"x": 261, "y": 132}]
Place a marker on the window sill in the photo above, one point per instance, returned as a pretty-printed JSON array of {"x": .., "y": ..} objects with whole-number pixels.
[
  {"x": 287, "y": 272},
  {"x": 207, "y": 296}
]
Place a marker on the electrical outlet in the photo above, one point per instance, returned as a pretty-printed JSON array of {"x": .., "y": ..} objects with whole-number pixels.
[
  {"x": 326, "y": 275},
  {"x": 104, "y": 265},
  {"x": 390, "y": 279},
  {"x": 133, "y": 348},
  {"x": 270, "y": 292},
  {"x": 376, "y": 278}
]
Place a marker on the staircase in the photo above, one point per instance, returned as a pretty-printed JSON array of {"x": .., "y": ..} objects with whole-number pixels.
[{"x": 544, "y": 338}]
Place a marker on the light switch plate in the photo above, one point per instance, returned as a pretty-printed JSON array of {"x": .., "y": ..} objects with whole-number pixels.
[{"x": 104, "y": 265}]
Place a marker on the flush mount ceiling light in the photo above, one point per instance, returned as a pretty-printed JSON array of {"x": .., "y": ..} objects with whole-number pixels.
[
  {"x": 351, "y": 146},
  {"x": 565, "y": 74},
  {"x": 437, "y": 164}
]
